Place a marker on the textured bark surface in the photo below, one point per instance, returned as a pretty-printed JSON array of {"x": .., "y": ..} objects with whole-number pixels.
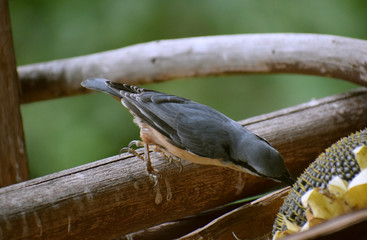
[
  {"x": 322, "y": 55},
  {"x": 13, "y": 159},
  {"x": 251, "y": 221}
]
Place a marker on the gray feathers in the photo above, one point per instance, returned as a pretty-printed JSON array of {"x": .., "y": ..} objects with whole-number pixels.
[
  {"x": 181, "y": 120},
  {"x": 198, "y": 129}
]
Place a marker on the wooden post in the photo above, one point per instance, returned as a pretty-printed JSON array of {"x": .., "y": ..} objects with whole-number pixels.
[{"x": 13, "y": 159}]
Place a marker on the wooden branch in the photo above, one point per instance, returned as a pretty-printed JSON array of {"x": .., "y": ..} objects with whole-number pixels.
[
  {"x": 323, "y": 55},
  {"x": 181, "y": 227},
  {"x": 13, "y": 159},
  {"x": 250, "y": 221},
  {"x": 113, "y": 197},
  {"x": 184, "y": 226}
]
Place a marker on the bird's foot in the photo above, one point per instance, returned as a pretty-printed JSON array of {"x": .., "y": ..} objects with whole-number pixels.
[
  {"x": 131, "y": 150},
  {"x": 173, "y": 159},
  {"x": 170, "y": 158},
  {"x": 154, "y": 175}
]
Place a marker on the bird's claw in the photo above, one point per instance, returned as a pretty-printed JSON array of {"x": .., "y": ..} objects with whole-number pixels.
[
  {"x": 177, "y": 161},
  {"x": 154, "y": 175},
  {"x": 171, "y": 159},
  {"x": 131, "y": 150}
]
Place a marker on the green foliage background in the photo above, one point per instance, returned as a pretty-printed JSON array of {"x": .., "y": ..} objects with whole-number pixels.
[{"x": 72, "y": 131}]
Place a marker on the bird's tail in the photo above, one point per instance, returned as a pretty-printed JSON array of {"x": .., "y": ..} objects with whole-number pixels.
[{"x": 100, "y": 84}]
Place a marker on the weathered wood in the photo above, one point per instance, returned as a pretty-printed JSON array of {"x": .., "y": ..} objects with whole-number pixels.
[
  {"x": 184, "y": 226},
  {"x": 13, "y": 159},
  {"x": 179, "y": 228},
  {"x": 322, "y": 55},
  {"x": 250, "y": 221},
  {"x": 255, "y": 220},
  {"x": 113, "y": 197}
]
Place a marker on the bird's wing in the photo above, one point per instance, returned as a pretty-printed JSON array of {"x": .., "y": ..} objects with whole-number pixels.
[
  {"x": 203, "y": 132},
  {"x": 186, "y": 124}
]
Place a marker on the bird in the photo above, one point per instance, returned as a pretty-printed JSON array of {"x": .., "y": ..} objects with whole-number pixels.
[{"x": 184, "y": 129}]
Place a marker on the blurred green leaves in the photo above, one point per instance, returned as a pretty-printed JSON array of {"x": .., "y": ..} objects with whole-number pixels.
[{"x": 71, "y": 131}]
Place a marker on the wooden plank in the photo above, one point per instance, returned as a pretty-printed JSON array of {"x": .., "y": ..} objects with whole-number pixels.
[
  {"x": 251, "y": 221},
  {"x": 184, "y": 226},
  {"x": 112, "y": 197},
  {"x": 315, "y": 54},
  {"x": 13, "y": 159}
]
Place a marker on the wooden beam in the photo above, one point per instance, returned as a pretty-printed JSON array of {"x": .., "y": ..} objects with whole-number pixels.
[
  {"x": 13, "y": 159},
  {"x": 114, "y": 196},
  {"x": 251, "y": 221},
  {"x": 187, "y": 225},
  {"x": 315, "y": 54}
]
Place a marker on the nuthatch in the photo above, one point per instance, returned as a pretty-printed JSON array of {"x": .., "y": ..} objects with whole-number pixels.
[{"x": 189, "y": 130}]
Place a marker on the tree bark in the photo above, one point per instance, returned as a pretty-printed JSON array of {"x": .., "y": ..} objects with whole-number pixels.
[
  {"x": 13, "y": 159},
  {"x": 315, "y": 54}
]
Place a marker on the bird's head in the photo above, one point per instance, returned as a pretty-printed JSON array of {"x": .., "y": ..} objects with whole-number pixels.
[{"x": 258, "y": 157}]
